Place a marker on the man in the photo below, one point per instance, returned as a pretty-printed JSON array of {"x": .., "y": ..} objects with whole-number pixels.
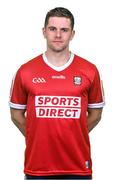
[{"x": 56, "y": 99}]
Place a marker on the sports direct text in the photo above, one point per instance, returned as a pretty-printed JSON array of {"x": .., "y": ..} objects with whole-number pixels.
[{"x": 58, "y": 107}]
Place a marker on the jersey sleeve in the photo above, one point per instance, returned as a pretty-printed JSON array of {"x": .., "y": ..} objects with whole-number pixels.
[
  {"x": 18, "y": 95},
  {"x": 96, "y": 93}
]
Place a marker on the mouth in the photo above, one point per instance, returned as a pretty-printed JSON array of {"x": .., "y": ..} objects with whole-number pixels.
[{"x": 57, "y": 41}]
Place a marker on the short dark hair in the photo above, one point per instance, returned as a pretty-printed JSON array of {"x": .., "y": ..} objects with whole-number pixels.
[{"x": 59, "y": 12}]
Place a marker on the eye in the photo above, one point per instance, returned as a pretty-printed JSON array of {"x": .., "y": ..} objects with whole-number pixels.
[
  {"x": 64, "y": 29},
  {"x": 52, "y": 28}
]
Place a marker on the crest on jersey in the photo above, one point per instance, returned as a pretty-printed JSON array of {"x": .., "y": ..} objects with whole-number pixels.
[{"x": 77, "y": 80}]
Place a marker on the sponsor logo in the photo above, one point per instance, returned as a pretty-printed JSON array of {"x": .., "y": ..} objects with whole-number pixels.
[
  {"x": 77, "y": 80},
  {"x": 58, "y": 107},
  {"x": 58, "y": 77},
  {"x": 38, "y": 80}
]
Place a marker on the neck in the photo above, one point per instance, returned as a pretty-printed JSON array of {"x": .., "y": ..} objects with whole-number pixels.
[{"x": 58, "y": 58}]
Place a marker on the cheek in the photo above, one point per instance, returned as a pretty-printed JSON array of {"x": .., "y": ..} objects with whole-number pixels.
[
  {"x": 68, "y": 38},
  {"x": 48, "y": 36}
]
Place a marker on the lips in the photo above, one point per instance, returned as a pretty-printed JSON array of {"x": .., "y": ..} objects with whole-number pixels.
[{"x": 57, "y": 41}]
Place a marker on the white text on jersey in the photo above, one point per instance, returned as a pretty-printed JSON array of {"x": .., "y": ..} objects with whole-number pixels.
[
  {"x": 58, "y": 107},
  {"x": 38, "y": 80}
]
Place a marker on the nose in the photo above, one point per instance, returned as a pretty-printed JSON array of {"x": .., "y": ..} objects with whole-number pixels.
[{"x": 58, "y": 33}]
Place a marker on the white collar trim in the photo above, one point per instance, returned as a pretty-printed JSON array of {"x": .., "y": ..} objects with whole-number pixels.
[{"x": 60, "y": 68}]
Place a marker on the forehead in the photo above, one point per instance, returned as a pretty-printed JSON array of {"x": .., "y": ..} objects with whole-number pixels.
[{"x": 59, "y": 22}]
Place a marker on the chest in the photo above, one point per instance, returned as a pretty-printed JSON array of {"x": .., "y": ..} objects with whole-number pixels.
[{"x": 50, "y": 82}]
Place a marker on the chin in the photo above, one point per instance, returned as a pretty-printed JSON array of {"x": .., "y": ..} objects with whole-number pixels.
[{"x": 58, "y": 49}]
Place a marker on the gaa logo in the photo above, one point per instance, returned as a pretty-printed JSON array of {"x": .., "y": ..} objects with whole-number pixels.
[
  {"x": 38, "y": 80},
  {"x": 77, "y": 80}
]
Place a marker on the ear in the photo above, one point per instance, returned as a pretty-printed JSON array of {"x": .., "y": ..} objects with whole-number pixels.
[
  {"x": 44, "y": 32},
  {"x": 72, "y": 35}
]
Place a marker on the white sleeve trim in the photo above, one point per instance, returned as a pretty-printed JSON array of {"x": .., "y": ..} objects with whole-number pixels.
[
  {"x": 96, "y": 105},
  {"x": 17, "y": 106}
]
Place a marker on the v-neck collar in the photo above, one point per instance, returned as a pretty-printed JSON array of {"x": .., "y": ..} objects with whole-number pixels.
[{"x": 58, "y": 68}]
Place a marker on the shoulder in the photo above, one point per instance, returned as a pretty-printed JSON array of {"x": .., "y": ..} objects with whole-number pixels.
[
  {"x": 86, "y": 67},
  {"x": 31, "y": 63},
  {"x": 84, "y": 63}
]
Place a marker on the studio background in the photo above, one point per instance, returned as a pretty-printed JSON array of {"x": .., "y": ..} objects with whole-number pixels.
[{"x": 21, "y": 39}]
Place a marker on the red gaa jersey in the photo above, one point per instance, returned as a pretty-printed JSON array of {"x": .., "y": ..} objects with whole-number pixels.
[{"x": 56, "y": 101}]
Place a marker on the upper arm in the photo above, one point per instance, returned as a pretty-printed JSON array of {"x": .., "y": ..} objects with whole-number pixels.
[
  {"x": 18, "y": 118},
  {"x": 18, "y": 95},
  {"x": 93, "y": 117},
  {"x": 96, "y": 94},
  {"x": 16, "y": 114},
  {"x": 95, "y": 113},
  {"x": 18, "y": 100}
]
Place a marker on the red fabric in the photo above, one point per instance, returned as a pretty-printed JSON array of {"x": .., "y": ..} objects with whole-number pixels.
[{"x": 57, "y": 140}]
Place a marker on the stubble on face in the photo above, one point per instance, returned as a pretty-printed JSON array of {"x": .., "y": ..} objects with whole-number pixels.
[
  {"x": 57, "y": 49},
  {"x": 58, "y": 42}
]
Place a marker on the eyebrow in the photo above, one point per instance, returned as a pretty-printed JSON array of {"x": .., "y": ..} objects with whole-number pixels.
[
  {"x": 51, "y": 27},
  {"x": 66, "y": 28}
]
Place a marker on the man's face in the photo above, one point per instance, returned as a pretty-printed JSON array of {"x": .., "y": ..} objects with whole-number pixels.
[{"x": 58, "y": 33}]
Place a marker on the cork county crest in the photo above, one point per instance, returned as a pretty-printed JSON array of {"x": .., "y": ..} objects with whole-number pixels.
[{"x": 77, "y": 80}]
